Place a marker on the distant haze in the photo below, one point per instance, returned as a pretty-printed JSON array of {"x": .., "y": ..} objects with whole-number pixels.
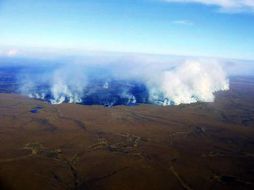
[{"x": 134, "y": 79}]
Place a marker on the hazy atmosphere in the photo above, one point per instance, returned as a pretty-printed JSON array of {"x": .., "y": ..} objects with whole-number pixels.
[
  {"x": 194, "y": 28},
  {"x": 126, "y": 94}
]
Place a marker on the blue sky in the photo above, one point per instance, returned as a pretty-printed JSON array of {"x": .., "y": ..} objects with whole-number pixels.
[{"x": 191, "y": 27}]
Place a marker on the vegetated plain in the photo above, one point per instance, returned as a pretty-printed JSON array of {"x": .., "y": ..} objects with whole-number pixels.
[{"x": 71, "y": 146}]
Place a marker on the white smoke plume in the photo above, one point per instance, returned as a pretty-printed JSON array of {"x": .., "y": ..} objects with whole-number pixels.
[
  {"x": 67, "y": 86},
  {"x": 188, "y": 83},
  {"x": 163, "y": 83}
]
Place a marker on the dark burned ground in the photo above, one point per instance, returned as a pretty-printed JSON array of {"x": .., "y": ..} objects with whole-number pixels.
[{"x": 197, "y": 146}]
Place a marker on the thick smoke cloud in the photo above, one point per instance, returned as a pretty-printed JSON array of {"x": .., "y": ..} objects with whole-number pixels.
[
  {"x": 67, "y": 86},
  {"x": 127, "y": 81},
  {"x": 187, "y": 83}
]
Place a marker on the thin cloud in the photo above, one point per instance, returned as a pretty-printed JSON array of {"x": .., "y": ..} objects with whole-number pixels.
[
  {"x": 183, "y": 22},
  {"x": 223, "y": 5},
  {"x": 9, "y": 52},
  {"x": 12, "y": 52}
]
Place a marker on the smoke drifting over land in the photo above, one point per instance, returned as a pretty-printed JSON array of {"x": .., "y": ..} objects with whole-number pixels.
[
  {"x": 126, "y": 82},
  {"x": 189, "y": 82}
]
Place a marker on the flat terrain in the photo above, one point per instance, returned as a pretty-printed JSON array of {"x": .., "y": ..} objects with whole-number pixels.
[{"x": 68, "y": 146}]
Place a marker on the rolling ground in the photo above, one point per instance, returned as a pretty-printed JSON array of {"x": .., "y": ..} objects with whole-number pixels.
[{"x": 70, "y": 146}]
